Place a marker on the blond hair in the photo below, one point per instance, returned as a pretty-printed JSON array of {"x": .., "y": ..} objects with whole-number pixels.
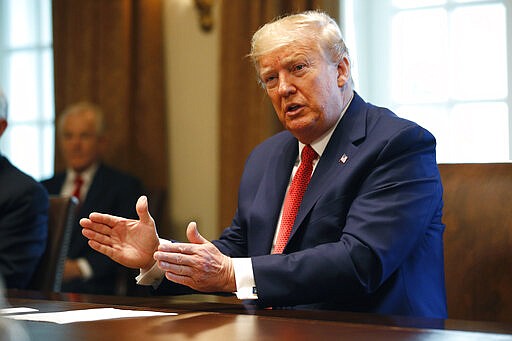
[{"x": 313, "y": 26}]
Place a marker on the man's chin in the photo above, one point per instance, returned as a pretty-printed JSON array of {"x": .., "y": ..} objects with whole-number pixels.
[
  {"x": 304, "y": 134},
  {"x": 79, "y": 167}
]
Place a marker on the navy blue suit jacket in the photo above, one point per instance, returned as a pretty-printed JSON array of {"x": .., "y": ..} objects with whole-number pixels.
[
  {"x": 368, "y": 236},
  {"x": 113, "y": 192},
  {"x": 23, "y": 225}
]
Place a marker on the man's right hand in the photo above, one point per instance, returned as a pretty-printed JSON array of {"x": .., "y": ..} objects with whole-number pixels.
[{"x": 129, "y": 242}]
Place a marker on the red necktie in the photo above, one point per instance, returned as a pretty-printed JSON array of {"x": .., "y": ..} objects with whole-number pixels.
[
  {"x": 78, "y": 186},
  {"x": 294, "y": 197}
]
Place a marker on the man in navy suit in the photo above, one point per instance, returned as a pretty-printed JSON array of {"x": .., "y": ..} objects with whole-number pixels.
[
  {"x": 23, "y": 219},
  {"x": 81, "y": 130},
  {"x": 368, "y": 234}
]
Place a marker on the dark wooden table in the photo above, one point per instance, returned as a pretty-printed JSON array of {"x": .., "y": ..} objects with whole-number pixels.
[{"x": 216, "y": 318}]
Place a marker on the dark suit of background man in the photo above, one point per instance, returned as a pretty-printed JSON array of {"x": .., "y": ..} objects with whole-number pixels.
[
  {"x": 104, "y": 189},
  {"x": 23, "y": 219},
  {"x": 368, "y": 235}
]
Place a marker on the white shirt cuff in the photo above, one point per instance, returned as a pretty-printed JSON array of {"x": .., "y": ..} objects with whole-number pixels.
[
  {"x": 244, "y": 277},
  {"x": 85, "y": 268},
  {"x": 153, "y": 276}
]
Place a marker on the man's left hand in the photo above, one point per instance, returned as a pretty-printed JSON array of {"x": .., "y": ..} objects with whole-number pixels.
[{"x": 198, "y": 264}]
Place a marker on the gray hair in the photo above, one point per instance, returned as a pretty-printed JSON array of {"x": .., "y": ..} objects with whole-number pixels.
[
  {"x": 314, "y": 26},
  {"x": 81, "y": 107},
  {"x": 3, "y": 105}
]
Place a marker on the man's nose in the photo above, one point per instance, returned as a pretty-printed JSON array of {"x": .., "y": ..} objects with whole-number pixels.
[
  {"x": 75, "y": 142},
  {"x": 286, "y": 87}
]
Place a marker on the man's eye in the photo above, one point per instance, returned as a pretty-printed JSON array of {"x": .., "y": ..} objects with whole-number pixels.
[
  {"x": 299, "y": 67},
  {"x": 270, "y": 81}
]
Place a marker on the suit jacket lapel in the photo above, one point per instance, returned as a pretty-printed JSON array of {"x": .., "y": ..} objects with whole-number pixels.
[
  {"x": 351, "y": 128},
  {"x": 271, "y": 193}
]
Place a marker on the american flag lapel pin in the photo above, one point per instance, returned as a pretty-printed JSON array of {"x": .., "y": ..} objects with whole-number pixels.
[{"x": 343, "y": 158}]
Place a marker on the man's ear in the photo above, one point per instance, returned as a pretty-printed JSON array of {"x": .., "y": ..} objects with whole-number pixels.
[
  {"x": 343, "y": 71},
  {"x": 3, "y": 126}
]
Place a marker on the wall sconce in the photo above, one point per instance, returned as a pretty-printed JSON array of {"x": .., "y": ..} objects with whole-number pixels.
[{"x": 204, "y": 8}]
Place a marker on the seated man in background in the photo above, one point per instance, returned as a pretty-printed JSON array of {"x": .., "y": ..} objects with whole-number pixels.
[
  {"x": 23, "y": 219},
  {"x": 98, "y": 187},
  {"x": 341, "y": 211}
]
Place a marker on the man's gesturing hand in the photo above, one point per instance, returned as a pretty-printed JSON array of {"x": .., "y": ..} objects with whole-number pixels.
[
  {"x": 198, "y": 264},
  {"x": 129, "y": 242}
]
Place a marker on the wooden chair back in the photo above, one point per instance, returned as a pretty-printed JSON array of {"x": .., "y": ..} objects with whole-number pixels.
[
  {"x": 478, "y": 240},
  {"x": 61, "y": 218}
]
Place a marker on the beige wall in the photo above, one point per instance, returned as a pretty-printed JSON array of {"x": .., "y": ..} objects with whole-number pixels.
[{"x": 192, "y": 102}]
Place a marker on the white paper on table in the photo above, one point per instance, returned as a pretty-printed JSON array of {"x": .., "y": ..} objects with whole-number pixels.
[
  {"x": 17, "y": 310},
  {"x": 84, "y": 315}
]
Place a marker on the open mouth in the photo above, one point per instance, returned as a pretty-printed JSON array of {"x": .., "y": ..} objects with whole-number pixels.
[{"x": 292, "y": 107}]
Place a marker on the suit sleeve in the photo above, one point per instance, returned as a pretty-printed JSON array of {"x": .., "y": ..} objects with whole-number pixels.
[{"x": 23, "y": 233}]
